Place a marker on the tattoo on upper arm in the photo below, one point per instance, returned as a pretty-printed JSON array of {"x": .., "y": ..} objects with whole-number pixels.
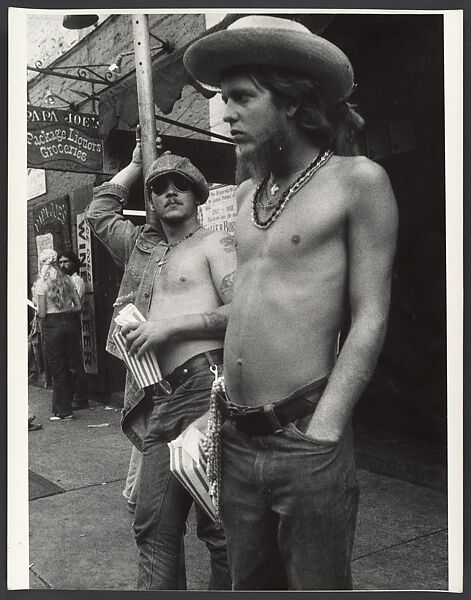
[
  {"x": 227, "y": 283},
  {"x": 229, "y": 243},
  {"x": 214, "y": 321}
]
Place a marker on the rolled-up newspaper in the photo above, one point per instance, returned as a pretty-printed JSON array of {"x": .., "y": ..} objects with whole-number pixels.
[
  {"x": 145, "y": 369},
  {"x": 188, "y": 464}
]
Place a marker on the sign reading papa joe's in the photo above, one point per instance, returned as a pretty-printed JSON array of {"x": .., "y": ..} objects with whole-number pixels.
[{"x": 63, "y": 140}]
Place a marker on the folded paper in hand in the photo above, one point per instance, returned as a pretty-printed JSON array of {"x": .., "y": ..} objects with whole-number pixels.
[
  {"x": 145, "y": 369},
  {"x": 188, "y": 464}
]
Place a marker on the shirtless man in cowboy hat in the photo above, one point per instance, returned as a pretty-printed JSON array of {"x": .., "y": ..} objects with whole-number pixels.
[{"x": 316, "y": 234}]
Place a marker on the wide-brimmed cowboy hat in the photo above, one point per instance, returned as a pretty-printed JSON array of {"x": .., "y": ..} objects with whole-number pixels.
[
  {"x": 172, "y": 163},
  {"x": 275, "y": 42}
]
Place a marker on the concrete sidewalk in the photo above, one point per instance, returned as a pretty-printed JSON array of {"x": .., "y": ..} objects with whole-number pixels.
[{"x": 81, "y": 539}]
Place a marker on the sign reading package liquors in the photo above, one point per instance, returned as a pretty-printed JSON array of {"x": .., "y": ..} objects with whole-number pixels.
[
  {"x": 63, "y": 140},
  {"x": 90, "y": 358}
]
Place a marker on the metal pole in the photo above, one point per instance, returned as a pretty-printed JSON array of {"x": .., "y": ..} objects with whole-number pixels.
[{"x": 145, "y": 99}]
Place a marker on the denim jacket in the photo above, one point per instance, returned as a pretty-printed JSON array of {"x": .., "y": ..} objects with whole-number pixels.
[{"x": 137, "y": 249}]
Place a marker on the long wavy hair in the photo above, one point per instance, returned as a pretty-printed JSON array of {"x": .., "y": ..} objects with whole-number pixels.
[
  {"x": 59, "y": 286},
  {"x": 336, "y": 126}
]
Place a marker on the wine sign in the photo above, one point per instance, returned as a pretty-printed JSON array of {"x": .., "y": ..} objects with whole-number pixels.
[{"x": 63, "y": 140}]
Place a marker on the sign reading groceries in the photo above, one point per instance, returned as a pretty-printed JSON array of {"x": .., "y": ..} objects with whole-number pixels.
[{"x": 63, "y": 140}]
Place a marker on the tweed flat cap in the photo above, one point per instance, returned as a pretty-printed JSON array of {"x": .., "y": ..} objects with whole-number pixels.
[
  {"x": 276, "y": 42},
  {"x": 172, "y": 163}
]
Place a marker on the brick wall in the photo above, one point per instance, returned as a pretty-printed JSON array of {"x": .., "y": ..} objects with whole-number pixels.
[{"x": 47, "y": 38}]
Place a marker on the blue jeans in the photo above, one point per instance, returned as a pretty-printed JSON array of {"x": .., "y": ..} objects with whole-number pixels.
[
  {"x": 59, "y": 331},
  {"x": 289, "y": 506},
  {"x": 81, "y": 392},
  {"x": 163, "y": 504}
]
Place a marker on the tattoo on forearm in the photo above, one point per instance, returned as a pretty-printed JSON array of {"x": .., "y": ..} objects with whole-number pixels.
[
  {"x": 229, "y": 243},
  {"x": 227, "y": 283},
  {"x": 214, "y": 321}
]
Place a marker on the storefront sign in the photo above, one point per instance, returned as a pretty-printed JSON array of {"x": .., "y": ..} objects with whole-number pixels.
[
  {"x": 220, "y": 211},
  {"x": 90, "y": 358},
  {"x": 84, "y": 245},
  {"x": 63, "y": 140},
  {"x": 50, "y": 213}
]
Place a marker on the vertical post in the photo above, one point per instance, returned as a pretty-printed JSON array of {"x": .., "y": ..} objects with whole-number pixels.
[{"x": 145, "y": 99}]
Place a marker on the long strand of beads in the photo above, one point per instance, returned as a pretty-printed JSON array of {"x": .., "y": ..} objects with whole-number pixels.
[
  {"x": 212, "y": 444},
  {"x": 305, "y": 176}
]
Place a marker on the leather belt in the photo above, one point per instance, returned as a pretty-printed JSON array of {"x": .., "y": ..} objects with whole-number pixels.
[
  {"x": 193, "y": 365},
  {"x": 270, "y": 418}
]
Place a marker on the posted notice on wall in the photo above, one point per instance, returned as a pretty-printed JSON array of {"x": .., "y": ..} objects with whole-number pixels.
[
  {"x": 44, "y": 242},
  {"x": 220, "y": 211},
  {"x": 63, "y": 140},
  {"x": 35, "y": 183}
]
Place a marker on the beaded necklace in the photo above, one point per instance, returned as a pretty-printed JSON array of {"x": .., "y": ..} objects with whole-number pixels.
[
  {"x": 290, "y": 191},
  {"x": 163, "y": 261},
  {"x": 212, "y": 443}
]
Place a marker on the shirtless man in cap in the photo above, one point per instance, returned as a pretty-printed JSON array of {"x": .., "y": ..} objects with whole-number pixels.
[
  {"x": 182, "y": 284},
  {"x": 316, "y": 234}
]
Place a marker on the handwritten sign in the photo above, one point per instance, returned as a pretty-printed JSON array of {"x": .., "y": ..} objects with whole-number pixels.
[
  {"x": 63, "y": 140},
  {"x": 52, "y": 212},
  {"x": 220, "y": 211},
  {"x": 90, "y": 358}
]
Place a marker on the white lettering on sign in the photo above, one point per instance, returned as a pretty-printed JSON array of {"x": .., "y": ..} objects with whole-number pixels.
[
  {"x": 37, "y": 114},
  {"x": 63, "y": 140},
  {"x": 79, "y": 147},
  {"x": 54, "y": 211},
  {"x": 220, "y": 211},
  {"x": 84, "y": 246},
  {"x": 90, "y": 358}
]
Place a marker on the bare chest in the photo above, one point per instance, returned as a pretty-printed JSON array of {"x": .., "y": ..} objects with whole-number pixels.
[
  {"x": 309, "y": 222},
  {"x": 180, "y": 271}
]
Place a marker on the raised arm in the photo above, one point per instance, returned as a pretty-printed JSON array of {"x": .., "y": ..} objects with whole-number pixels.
[
  {"x": 105, "y": 213},
  {"x": 372, "y": 232}
]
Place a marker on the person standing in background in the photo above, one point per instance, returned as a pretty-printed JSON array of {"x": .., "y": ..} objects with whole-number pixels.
[
  {"x": 58, "y": 304},
  {"x": 70, "y": 264}
]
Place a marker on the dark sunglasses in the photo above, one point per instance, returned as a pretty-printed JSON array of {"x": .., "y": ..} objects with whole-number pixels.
[{"x": 179, "y": 182}]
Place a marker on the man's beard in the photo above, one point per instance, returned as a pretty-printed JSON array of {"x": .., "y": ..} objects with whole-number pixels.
[{"x": 260, "y": 161}]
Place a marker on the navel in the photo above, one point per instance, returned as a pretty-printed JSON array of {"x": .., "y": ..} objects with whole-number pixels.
[
  {"x": 295, "y": 239},
  {"x": 182, "y": 278}
]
